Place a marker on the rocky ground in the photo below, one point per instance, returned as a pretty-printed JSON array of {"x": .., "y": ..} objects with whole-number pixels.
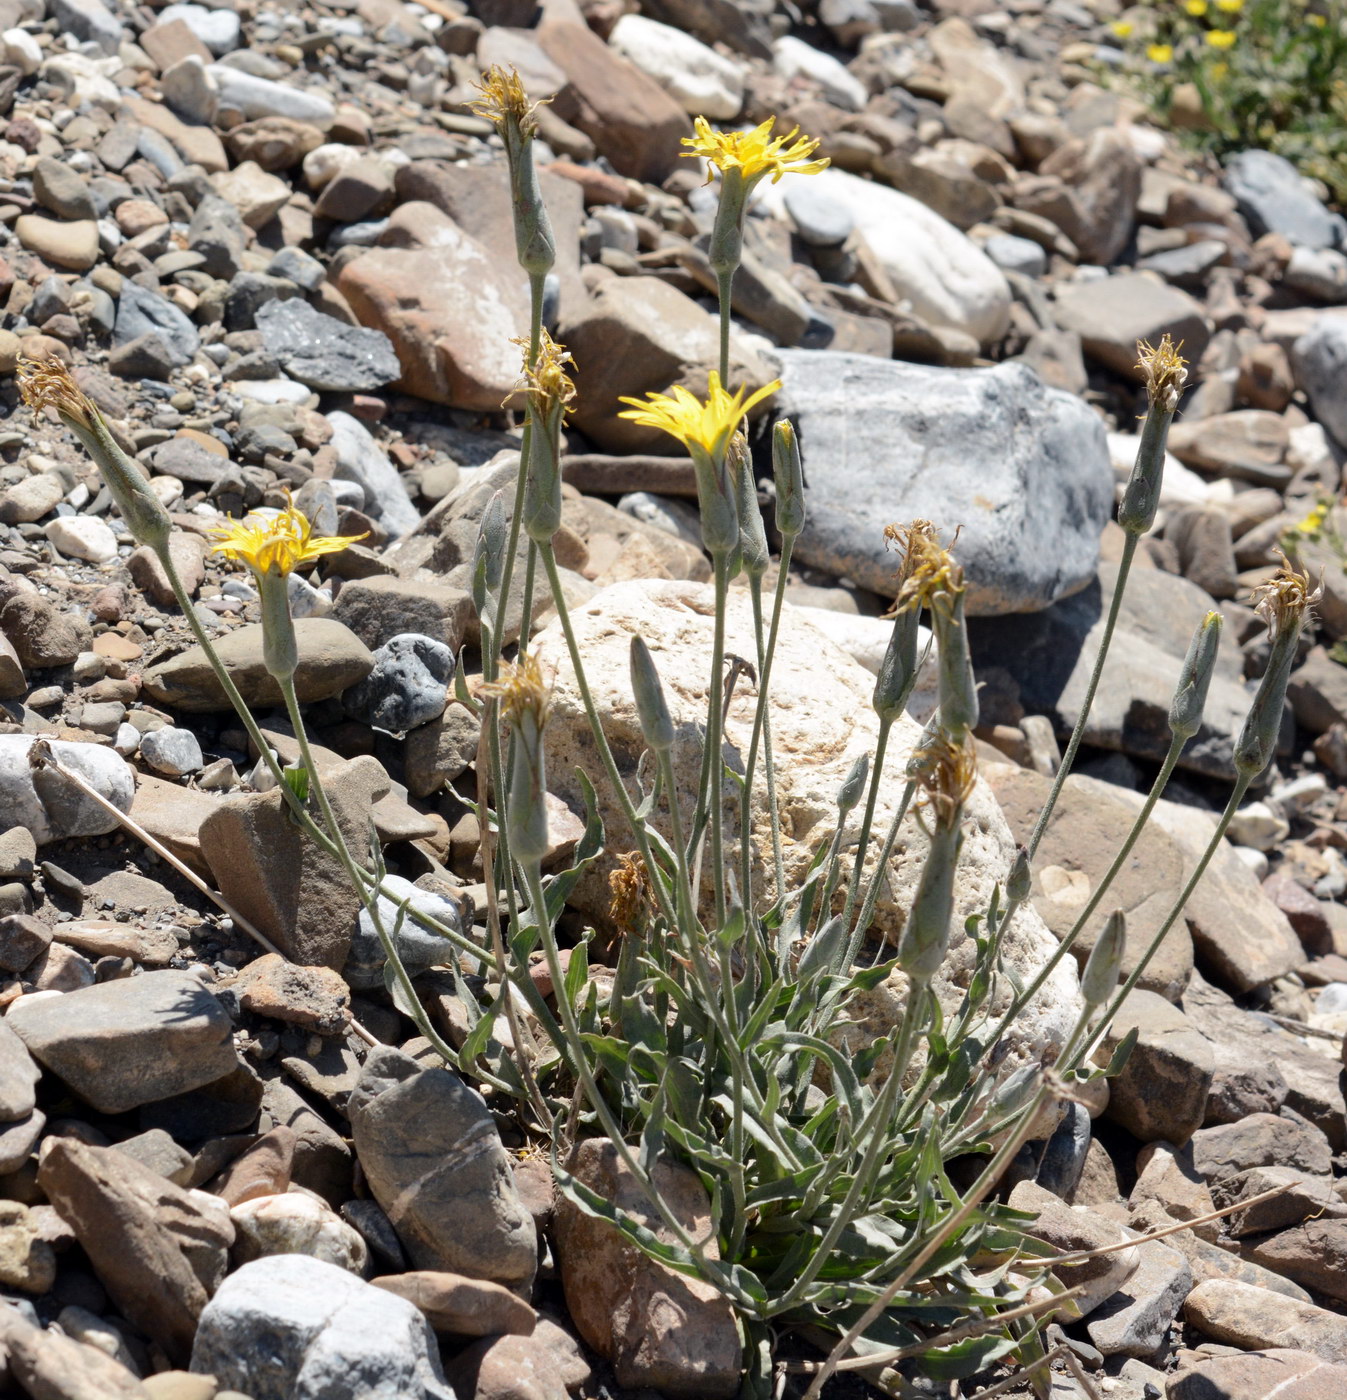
[{"x": 274, "y": 245}]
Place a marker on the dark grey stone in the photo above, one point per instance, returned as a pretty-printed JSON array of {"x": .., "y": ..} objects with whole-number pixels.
[
  {"x": 418, "y": 948},
  {"x": 1319, "y": 362},
  {"x": 248, "y": 293},
  {"x": 1274, "y": 198},
  {"x": 325, "y": 353},
  {"x": 141, "y": 312},
  {"x": 89, "y": 19},
  {"x": 407, "y": 687},
  {"x": 1022, "y": 469},
  {"x": 216, "y": 232}
]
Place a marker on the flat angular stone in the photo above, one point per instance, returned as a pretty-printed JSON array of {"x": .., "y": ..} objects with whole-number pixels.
[
  {"x": 1251, "y": 1318},
  {"x": 326, "y": 354},
  {"x": 1277, "y": 1371}
]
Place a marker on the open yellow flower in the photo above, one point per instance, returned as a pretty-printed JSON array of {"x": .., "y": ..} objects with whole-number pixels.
[
  {"x": 705, "y": 426},
  {"x": 1221, "y": 38},
  {"x": 1160, "y": 53},
  {"x": 1196, "y": 8},
  {"x": 1231, "y": 7},
  {"x": 1122, "y": 28},
  {"x": 755, "y": 153},
  {"x": 278, "y": 544}
]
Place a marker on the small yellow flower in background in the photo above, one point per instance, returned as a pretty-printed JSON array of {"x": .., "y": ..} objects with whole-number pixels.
[
  {"x": 1313, "y": 522},
  {"x": 276, "y": 544},
  {"x": 1160, "y": 53},
  {"x": 1318, "y": 21},
  {"x": 1221, "y": 38},
  {"x": 1196, "y": 8},
  {"x": 1219, "y": 72},
  {"x": 708, "y": 426},
  {"x": 1231, "y": 7},
  {"x": 755, "y": 153},
  {"x": 1122, "y": 28}
]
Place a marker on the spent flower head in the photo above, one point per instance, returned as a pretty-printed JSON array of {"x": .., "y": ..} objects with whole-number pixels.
[
  {"x": 49, "y": 384},
  {"x": 945, "y": 769},
  {"x": 504, "y": 102},
  {"x": 629, "y": 891},
  {"x": 928, "y": 570},
  {"x": 522, "y": 692},
  {"x": 1285, "y": 600},
  {"x": 1164, "y": 369},
  {"x": 276, "y": 544},
  {"x": 546, "y": 380},
  {"x": 707, "y": 425},
  {"x": 755, "y": 153}
]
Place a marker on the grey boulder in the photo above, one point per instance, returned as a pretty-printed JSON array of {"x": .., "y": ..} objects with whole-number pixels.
[
  {"x": 1274, "y": 198},
  {"x": 1020, "y": 469},
  {"x": 407, "y": 687},
  {"x": 1319, "y": 362},
  {"x": 362, "y": 460},
  {"x": 418, "y": 948},
  {"x": 323, "y": 352},
  {"x": 51, "y": 806},
  {"x": 290, "y": 1327}
]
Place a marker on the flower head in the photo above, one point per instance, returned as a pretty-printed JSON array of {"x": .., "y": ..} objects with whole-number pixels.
[
  {"x": 1164, "y": 369},
  {"x": 707, "y": 426},
  {"x": 1221, "y": 38},
  {"x": 1231, "y": 7},
  {"x": 504, "y": 102},
  {"x": 49, "y": 384},
  {"x": 1314, "y": 521},
  {"x": 755, "y": 153},
  {"x": 276, "y": 544},
  {"x": 1122, "y": 28},
  {"x": 928, "y": 569},
  {"x": 522, "y": 692},
  {"x": 629, "y": 891},
  {"x": 1160, "y": 53},
  {"x": 1285, "y": 599},
  {"x": 548, "y": 384},
  {"x": 1196, "y": 8},
  {"x": 946, "y": 770}
]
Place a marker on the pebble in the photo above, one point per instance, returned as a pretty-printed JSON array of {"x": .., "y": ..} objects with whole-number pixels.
[
  {"x": 172, "y": 751},
  {"x": 83, "y": 537}
]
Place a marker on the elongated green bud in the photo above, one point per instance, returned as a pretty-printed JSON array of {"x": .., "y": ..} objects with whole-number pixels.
[
  {"x": 925, "y": 937},
  {"x": 788, "y": 473},
  {"x": 958, "y": 687},
  {"x": 1019, "y": 884},
  {"x": 726, "y": 249},
  {"x": 526, "y": 813},
  {"x": 488, "y": 556},
  {"x": 280, "y": 653},
  {"x": 754, "y": 554},
  {"x": 716, "y": 503},
  {"x": 898, "y": 670},
  {"x": 853, "y": 785},
  {"x": 505, "y": 104},
  {"x": 1190, "y": 698},
  {"x": 550, "y": 392},
  {"x": 1165, "y": 374},
  {"x": 651, "y": 709},
  {"x": 1100, "y": 979}
]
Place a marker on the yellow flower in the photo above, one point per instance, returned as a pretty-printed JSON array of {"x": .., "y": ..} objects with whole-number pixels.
[
  {"x": 1196, "y": 8},
  {"x": 1219, "y": 72},
  {"x": 1231, "y": 7},
  {"x": 1318, "y": 21},
  {"x": 504, "y": 101},
  {"x": 708, "y": 426},
  {"x": 1221, "y": 38},
  {"x": 754, "y": 153},
  {"x": 1160, "y": 53},
  {"x": 546, "y": 379},
  {"x": 277, "y": 544},
  {"x": 1313, "y": 522},
  {"x": 1122, "y": 28}
]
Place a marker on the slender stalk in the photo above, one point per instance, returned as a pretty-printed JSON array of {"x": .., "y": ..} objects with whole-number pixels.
[
  {"x": 762, "y": 736},
  {"x": 863, "y": 838},
  {"x": 724, "y": 282},
  {"x": 712, "y": 761},
  {"x": 1078, "y": 733}
]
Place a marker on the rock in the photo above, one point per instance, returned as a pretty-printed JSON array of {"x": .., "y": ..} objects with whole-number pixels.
[
  {"x": 1249, "y": 445},
  {"x": 39, "y": 634},
  {"x": 462, "y": 1307},
  {"x": 433, "y": 1159},
  {"x": 675, "y": 621},
  {"x": 1136, "y": 1320},
  {"x": 406, "y": 688},
  {"x": 48, "y": 1363},
  {"x": 547, "y": 1365},
  {"x": 379, "y": 609},
  {"x": 418, "y": 947},
  {"x": 27, "y": 1262},
  {"x": 22, "y": 939},
  {"x": 1312, "y": 1253},
  {"x": 639, "y": 335},
  {"x": 18, "y": 1073},
  {"x": 140, "y": 311},
  {"x": 1167, "y": 1177},
  {"x": 1319, "y": 360},
  {"x": 218, "y": 30},
  {"x": 331, "y": 659},
  {"x": 194, "y": 96},
  {"x": 439, "y": 752},
  {"x": 160, "y": 1251},
  {"x": 1318, "y": 692},
  {"x": 1250, "y": 1318},
  {"x": 63, "y": 190},
  {"x": 1319, "y": 273},
  {"x": 83, "y": 537},
  {"x": 629, "y": 117},
  {"x": 1023, "y": 469},
  {"x": 216, "y": 233},
  {"x": 949, "y": 282},
  {"x": 71, "y": 245},
  {"x": 326, "y": 354},
  {"x": 1280, "y": 1371},
  {"x": 296, "y": 1223},
  {"x": 1100, "y": 183},
  {"x": 50, "y": 806},
  {"x": 702, "y": 81},
  {"x": 172, "y": 751},
  {"x": 294, "y": 1328},
  {"x": 145, "y": 357},
  {"x": 1274, "y": 198},
  {"x": 265, "y": 1169},
  {"x": 1300, "y": 1198},
  {"x": 658, "y": 1328},
  {"x": 260, "y": 97},
  {"x": 129, "y": 1042},
  {"x": 793, "y": 58},
  {"x": 255, "y": 193},
  {"x": 1161, "y": 1093},
  {"x": 1112, "y": 314},
  {"x": 1261, "y": 1140},
  {"x": 313, "y": 997},
  {"x": 31, "y": 498},
  {"x": 298, "y": 895},
  {"x": 362, "y": 460}
]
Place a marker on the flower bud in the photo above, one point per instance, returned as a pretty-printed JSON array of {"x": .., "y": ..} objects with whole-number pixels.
[
  {"x": 1019, "y": 884},
  {"x": 716, "y": 503},
  {"x": 1100, "y": 978},
  {"x": 954, "y": 665},
  {"x": 925, "y": 936},
  {"x": 651, "y": 709},
  {"x": 1165, "y": 373},
  {"x": 853, "y": 785},
  {"x": 1190, "y": 698},
  {"x": 726, "y": 249},
  {"x": 788, "y": 473},
  {"x": 898, "y": 670},
  {"x": 754, "y": 554},
  {"x": 488, "y": 556}
]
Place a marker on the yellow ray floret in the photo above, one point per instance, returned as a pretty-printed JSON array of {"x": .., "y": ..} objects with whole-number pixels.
[
  {"x": 755, "y": 153},
  {"x": 277, "y": 544},
  {"x": 504, "y": 101},
  {"x": 684, "y": 416}
]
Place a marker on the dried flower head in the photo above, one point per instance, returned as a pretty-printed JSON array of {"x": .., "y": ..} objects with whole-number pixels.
[
  {"x": 1285, "y": 600},
  {"x": 927, "y": 569},
  {"x": 276, "y": 544},
  {"x": 945, "y": 769},
  {"x": 521, "y": 690},
  {"x": 546, "y": 380},
  {"x": 504, "y": 101},
  {"x": 1165, "y": 371},
  {"x": 629, "y": 888},
  {"x": 49, "y": 384},
  {"x": 708, "y": 426},
  {"x": 754, "y": 153}
]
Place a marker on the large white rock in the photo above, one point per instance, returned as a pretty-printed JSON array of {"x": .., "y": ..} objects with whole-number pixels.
[
  {"x": 52, "y": 807},
  {"x": 821, "y": 721},
  {"x": 703, "y": 82},
  {"x": 793, "y": 58},
  {"x": 948, "y": 280}
]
